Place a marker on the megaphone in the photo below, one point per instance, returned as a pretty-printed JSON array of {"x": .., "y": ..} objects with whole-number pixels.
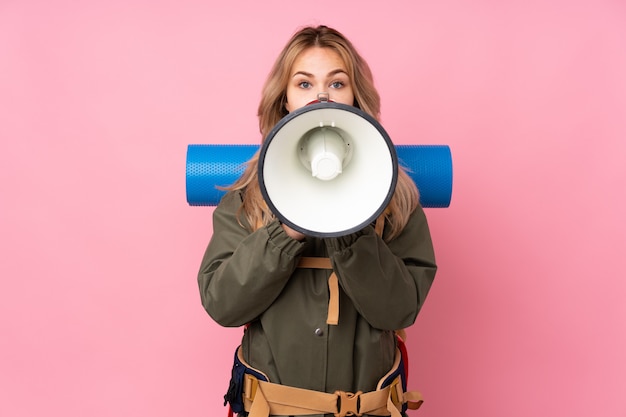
[{"x": 326, "y": 169}]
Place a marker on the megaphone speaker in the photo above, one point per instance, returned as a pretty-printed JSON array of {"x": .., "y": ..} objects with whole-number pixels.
[{"x": 327, "y": 169}]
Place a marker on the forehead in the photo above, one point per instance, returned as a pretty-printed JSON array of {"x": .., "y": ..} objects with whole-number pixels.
[{"x": 317, "y": 59}]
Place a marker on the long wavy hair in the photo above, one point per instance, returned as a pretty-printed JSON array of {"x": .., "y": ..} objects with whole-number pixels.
[{"x": 272, "y": 108}]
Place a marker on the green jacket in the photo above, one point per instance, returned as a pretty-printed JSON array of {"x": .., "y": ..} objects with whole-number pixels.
[{"x": 251, "y": 278}]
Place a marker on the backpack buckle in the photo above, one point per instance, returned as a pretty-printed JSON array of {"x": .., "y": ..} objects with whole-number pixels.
[{"x": 348, "y": 403}]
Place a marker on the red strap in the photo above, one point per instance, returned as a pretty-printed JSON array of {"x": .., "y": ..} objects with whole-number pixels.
[{"x": 405, "y": 357}]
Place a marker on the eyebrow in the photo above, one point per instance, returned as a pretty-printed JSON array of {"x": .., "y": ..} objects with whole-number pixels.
[{"x": 330, "y": 74}]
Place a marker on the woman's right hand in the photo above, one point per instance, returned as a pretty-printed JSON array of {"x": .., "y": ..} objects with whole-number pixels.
[{"x": 294, "y": 234}]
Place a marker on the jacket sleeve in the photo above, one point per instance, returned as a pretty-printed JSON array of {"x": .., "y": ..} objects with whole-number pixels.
[
  {"x": 243, "y": 272},
  {"x": 387, "y": 282}
]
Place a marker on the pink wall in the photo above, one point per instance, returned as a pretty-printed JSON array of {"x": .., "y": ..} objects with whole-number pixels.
[{"x": 99, "y": 310}]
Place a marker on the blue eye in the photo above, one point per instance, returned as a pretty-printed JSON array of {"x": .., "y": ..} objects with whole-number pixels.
[
  {"x": 337, "y": 84},
  {"x": 305, "y": 84}
]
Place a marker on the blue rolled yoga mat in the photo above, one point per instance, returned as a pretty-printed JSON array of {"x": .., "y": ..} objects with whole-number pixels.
[{"x": 212, "y": 166}]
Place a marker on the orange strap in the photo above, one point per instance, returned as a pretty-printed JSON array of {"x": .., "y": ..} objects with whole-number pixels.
[
  {"x": 333, "y": 285},
  {"x": 266, "y": 398},
  {"x": 315, "y": 263},
  {"x": 333, "y": 301}
]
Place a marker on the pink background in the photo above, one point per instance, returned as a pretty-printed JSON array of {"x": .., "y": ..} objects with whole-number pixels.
[{"x": 99, "y": 309}]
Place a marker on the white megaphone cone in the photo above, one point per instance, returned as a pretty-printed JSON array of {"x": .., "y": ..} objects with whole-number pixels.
[{"x": 327, "y": 169}]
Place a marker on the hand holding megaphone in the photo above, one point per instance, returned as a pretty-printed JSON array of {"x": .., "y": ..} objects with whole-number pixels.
[{"x": 294, "y": 234}]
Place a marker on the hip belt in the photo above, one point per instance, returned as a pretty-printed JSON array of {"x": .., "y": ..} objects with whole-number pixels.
[{"x": 254, "y": 394}]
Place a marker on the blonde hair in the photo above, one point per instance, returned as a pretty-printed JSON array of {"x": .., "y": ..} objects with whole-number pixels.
[{"x": 272, "y": 108}]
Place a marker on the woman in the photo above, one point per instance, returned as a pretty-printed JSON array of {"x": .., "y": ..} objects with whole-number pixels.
[{"x": 250, "y": 273}]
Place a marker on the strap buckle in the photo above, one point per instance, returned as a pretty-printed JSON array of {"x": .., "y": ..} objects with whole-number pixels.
[
  {"x": 348, "y": 403},
  {"x": 251, "y": 384}
]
